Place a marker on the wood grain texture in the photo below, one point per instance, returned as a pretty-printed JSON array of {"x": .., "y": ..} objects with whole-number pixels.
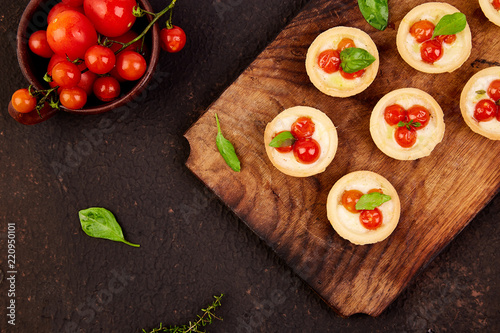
[{"x": 439, "y": 194}]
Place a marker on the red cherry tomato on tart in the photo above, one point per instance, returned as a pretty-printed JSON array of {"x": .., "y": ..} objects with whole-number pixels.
[
  {"x": 419, "y": 114},
  {"x": 345, "y": 43},
  {"x": 349, "y": 200},
  {"x": 422, "y": 30},
  {"x": 494, "y": 89},
  {"x": 351, "y": 76},
  {"x": 306, "y": 150},
  {"x": 172, "y": 40},
  {"x": 38, "y": 44},
  {"x": 496, "y": 4},
  {"x": 110, "y": 17},
  {"x": 448, "y": 39},
  {"x": 371, "y": 219},
  {"x": 395, "y": 113},
  {"x": 130, "y": 65},
  {"x": 285, "y": 149},
  {"x": 70, "y": 34},
  {"x": 329, "y": 61},
  {"x": 73, "y": 98},
  {"x": 405, "y": 137},
  {"x": 66, "y": 74},
  {"x": 100, "y": 59},
  {"x": 485, "y": 110},
  {"x": 22, "y": 101},
  {"x": 106, "y": 88},
  {"x": 378, "y": 190},
  {"x": 303, "y": 128},
  {"x": 431, "y": 51}
]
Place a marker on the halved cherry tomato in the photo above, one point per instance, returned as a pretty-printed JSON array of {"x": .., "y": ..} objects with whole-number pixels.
[
  {"x": 306, "y": 151},
  {"x": 351, "y": 76},
  {"x": 349, "y": 200},
  {"x": 419, "y": 114},
  {"x": 371, "y": 219},
  {"x": 422, "y": 30},
  {"x": 100, "y": 59},
  {"x": 172, "y": 40},
  {"x": 405, "y": 137},
  {"x": 393, "y": 114},
  {"x": 303, "y": 127},
  {"x": 130, "y": 65},
  {"x": 496, "y": 4},
  {"x": 65, "y": 74},
  {"x": 73, "y": 98},
  {"x": 345, "y": 43},
  {"x": 329, "y": 61},
  {"x": 106, "y": 88},
  {"x": 22, "y": 101},
  {"x": 448, "y": 39},
  {"x": 71, "y": 33},
  {"x": 38, "y": 44},
  {"x": 285, "y": 149},
  {"x": 59, "y": 8},
  {"x": 110, "y": 17},
  {"x": 485, "y": 110},
  {"x": 494, "y": 90},
  {"x": 431, "y": 51}
]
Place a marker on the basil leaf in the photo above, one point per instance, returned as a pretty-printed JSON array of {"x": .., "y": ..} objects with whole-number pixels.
[
  {"x": 354, "y": 59},
  {"x": 284, "y": 139},
  {"x": 450, "y": 24},
  {"x": 375, "y": 12},
  {"x": 226, "y": 149},
  {"x": 101, "y": 223},
  {"x": 371, "y": 201}
]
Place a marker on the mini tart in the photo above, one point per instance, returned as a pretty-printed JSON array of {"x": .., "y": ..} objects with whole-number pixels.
[
  {"x": 334, "y": 84},
  {"x": 469, "y": 98},
  {"x": 454, "y": 55},
  {"x": 325, "y": 134},
  {"x": 490, "y": 12},
  {"x": 427, "y": 138},
  {"x": 347, "y": 224}
]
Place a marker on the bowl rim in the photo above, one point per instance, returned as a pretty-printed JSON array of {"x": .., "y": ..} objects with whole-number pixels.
[{"x": 23, "y": 55}]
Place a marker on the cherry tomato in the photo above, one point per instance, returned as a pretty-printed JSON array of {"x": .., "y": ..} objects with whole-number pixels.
[
  {"x": 378, "y": 190},
  {"x": 494, "y": 89},
  {"x": 59, "y": 8},
  {"x": 329, "y": 61},
  {"x": 431, "y": 51},
  {"x": 110, "y": 17},
  {"x": 172, "y": 40},
  {"x": 130, "y": 65},
  {"x": 485, "y": 110},
  {"x": 38, "y": 44},
  {"x": 303, "y": 128},
  {"x": 351, "y": 76},
  {"x": 100, "y": 59},
  {"x": 393, "y": 114},
  {"x": 448, "y": 39},
  {"x": 306, "y": 151},
  {"x": 22, "y": 101},
  {"x": 285, "y": 149},
  {"x": 71, "y": 33},
  {"x": 73, "y": 3},
  {"x": 496, "y": 4},
  {"x": 66, "y": 74},
  {"x": 73, "y": 98},
  {"x": 87, "y": 82},
  {"x": 422, "y": 30},
  {"x": 345, "y": 43},
  {"x": 349, "y": 200},
  {"x": 106, "y": 88},
  {"x": 371, "y": 219},
  {"x": 419, "y": 114},
  {"x": 405, "y": 137},
  {"x": 114, "y": 73}
]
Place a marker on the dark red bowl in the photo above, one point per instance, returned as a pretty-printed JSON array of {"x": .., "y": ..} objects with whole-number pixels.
[{"x": 34, "y": 67}]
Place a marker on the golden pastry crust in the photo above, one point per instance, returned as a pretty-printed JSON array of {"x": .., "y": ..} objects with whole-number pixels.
[
  {"x": 325, "y": 134},
  {"x": 469, "y": 98},
  {"x": 347, "y": 224},
  {"x": 427, "y": 138},
  {"x": 334, "y": 84},
  {"x": 454, "y": 55},
  {"x": 490, "y": 12}
]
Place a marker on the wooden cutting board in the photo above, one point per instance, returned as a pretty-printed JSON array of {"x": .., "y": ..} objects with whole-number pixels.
[{"x": 439, "y": 194}]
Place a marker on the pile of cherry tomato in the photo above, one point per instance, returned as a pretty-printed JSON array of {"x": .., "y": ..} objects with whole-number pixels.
[{"x": 91, "y": 50}]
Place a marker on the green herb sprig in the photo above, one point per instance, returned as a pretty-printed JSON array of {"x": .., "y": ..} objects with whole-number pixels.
[
  {"x": 354, "y": 59},
  {"x": 375, "y": 12},
  {"x": 226, "y": 149},
  {"x": 450, "y": 25},
  {"x": 409, "y": 124},
  {"x": 205, "y": 319}
]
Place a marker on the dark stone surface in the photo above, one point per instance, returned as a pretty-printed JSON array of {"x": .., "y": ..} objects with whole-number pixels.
[{"x": 193, "y": 247}]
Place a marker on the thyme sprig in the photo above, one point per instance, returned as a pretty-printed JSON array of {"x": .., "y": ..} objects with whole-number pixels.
[{"x": 205, "y": 319}]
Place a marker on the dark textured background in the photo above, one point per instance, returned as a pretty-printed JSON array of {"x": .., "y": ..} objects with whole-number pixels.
[{"x": 193, "y": 247}]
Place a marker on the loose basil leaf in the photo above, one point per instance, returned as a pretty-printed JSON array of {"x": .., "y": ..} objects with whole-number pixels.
[
  {"x": 371, "y": 201},
  {"x": 284, "y": 139},
  {"x": 226, "y": 149},
  {"x": 450, "y": 24},
  {"x": 101, "y": 223},
  {"x": 375, "y": 12},
  {"x": 354, "y": 59}
]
